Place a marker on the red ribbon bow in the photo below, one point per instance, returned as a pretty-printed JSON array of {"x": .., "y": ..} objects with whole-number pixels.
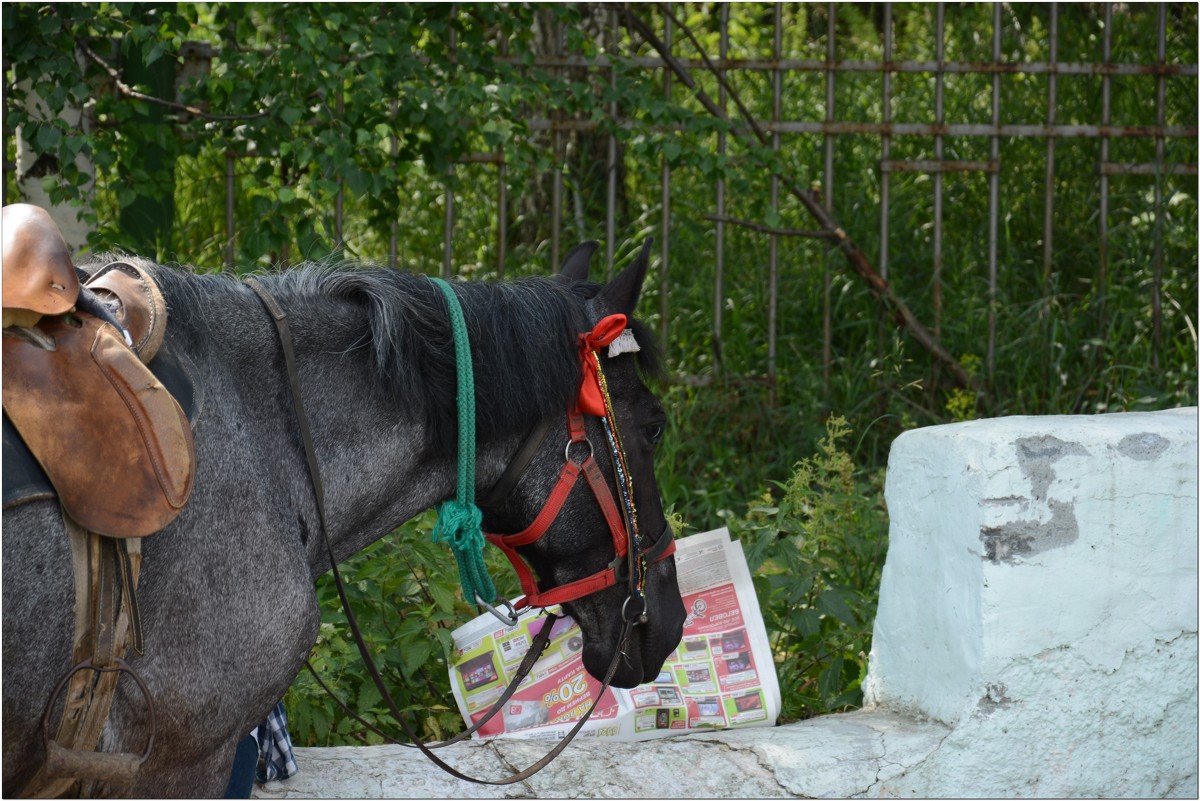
[{"x": 591, "y": 400}]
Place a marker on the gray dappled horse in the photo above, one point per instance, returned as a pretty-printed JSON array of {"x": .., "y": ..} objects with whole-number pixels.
[{"x": 226, "y": 591}]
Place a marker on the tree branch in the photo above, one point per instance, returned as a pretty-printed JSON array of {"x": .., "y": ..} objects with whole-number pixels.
[
  {"x": 766, "y": 229},
  {"x": 855, "y": 257},
  {"x": 128, "y": 91}
]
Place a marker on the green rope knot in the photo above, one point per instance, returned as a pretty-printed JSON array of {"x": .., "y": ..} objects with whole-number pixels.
[
  {"x": 461, "y": 527},
  {"x": 460, "y": 523}
]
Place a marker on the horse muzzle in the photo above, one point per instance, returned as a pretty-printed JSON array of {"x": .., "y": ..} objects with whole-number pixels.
[{"x": 648, "y": 645}]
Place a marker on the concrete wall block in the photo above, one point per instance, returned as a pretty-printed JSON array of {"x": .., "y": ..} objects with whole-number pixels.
[{"x": 1040, "y": 594}]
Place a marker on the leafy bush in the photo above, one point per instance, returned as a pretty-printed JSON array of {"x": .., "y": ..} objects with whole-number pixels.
[
  {"x": 816, "y": 555},
  {"x": 406, "y": 597}
]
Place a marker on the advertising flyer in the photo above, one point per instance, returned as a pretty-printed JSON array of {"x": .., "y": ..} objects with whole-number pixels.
[{"x": 721, "y": 675}]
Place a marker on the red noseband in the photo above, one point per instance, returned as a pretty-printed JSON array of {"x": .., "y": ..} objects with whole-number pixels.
[
  {"x": 567, "y": 478},
  {"x": 593, "y": 399}
]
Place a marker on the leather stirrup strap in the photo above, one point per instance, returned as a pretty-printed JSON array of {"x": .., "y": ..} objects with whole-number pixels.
[{"x": 105, "y": 572}]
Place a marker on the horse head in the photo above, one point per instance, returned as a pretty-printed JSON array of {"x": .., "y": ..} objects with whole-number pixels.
[{"x": 603, "y": 552}]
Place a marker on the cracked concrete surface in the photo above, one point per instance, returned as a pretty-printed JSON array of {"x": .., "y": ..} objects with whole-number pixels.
[{"x": 850, "y": 755}]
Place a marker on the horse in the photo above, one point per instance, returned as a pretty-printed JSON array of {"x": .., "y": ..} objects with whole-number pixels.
[{"x": 228, "y": 607}]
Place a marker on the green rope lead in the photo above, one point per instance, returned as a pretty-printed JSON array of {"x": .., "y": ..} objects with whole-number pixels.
[{"x": 460, "y": 523}]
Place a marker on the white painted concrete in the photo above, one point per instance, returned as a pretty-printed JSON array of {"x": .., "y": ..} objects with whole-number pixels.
[
  {"x": 1036, "y": 636},
  {"x": 1040, "y": 597},
  {"x": 832, "y": 756}
]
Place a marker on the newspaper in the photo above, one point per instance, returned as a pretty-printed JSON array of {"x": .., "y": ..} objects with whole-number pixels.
[{"x": 721, "y": 675}]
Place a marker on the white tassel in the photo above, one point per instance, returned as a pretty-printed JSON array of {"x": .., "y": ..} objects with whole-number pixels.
[{"x": 625, "y": 343}]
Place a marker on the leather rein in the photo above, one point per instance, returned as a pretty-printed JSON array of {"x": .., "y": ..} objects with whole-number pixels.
[{"x": 630, "y": 564}]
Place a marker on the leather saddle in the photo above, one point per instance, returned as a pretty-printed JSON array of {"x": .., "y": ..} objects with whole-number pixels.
[
  {"x": 87, "y": 421},
  {"x": 110, "y": 438}
]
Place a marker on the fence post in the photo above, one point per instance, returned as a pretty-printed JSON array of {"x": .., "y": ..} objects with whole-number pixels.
[
  {"x": 827, "y": 199},
  {"x": 230, "y": 176},
  {"x": 665, "y": 244}
]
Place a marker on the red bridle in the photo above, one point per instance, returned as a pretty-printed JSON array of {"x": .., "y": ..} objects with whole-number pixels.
[{"x": 629, "y": 549}]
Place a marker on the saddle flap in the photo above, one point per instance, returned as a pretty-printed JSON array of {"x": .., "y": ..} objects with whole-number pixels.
[{"x": 115, "y": 444}]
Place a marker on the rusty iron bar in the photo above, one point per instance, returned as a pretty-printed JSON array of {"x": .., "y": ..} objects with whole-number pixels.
[
  {"x": 719, "y": 276},
  {"x": 230, "y": 190},
  {"x": 1051, "y": 118},
  {"x": 394, "y": 225},
  {"x": 339, "y": 199},
  {"x": 501, "y": 196},
  {"x": 665, "y": 243},
  {"x": 947, "y": 166},
  {"x": 1101, "y": 287},
  {"x": 448, "y": 224},
  {"x": 885, "y": 187},
  {"x": 911, "y": 129},
  {"x": 448, "y": 228},
  {"x": 827, "y": 191},
  {"x": 285, "y": 250},
  {"x": 885, "y": 178},
  {"x": 610, "y": 197},
  {"x": 1159, "y": 153},
  {"x": 983, "y": 129},
  {"x": 932, "y": 166},
  {"x": 856, "y": 259},
  {"x": 480, "y": 158},
  {"x": 1165, "y": 170},
  {"x": 886, "y": 65},
  {"x": 773, "y": 242},
  {"x": 501, "y": 216},
  {"x": 209, "y": 52},
  {"x": 939, "y": 115},
  {"x": 556, "y": 190},
  {"x": 993, "y": 202}
]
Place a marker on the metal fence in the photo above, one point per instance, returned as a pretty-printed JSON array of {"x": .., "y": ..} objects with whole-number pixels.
[{"x": 660, "y": 27}]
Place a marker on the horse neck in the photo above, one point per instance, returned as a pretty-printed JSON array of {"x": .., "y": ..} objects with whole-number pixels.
[{"x": 376, "y": 467}]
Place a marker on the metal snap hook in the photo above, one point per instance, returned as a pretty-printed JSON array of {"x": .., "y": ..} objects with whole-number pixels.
[{"x": 509, "y": 620}]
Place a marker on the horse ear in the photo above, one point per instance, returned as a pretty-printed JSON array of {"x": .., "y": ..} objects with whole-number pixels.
[
  {"x": 575, "y": 265},
  {"x": 622, "y": 292}
]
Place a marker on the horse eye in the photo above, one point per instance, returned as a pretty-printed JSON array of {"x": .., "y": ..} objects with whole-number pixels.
[{"x": 655, "y": 431}]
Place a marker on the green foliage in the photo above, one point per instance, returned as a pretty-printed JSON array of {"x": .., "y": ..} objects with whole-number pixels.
[
  {"x": 371, "y": 104},
  {"x": 816, "y": 554},
  {"x": 405, "y": 594}
]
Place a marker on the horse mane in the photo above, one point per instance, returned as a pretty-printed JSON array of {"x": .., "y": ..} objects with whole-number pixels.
[{"x": 522, "y": 334}]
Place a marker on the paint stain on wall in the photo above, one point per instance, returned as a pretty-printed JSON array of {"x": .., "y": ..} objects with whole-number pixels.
[{"x": 1010, "y": 542}]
